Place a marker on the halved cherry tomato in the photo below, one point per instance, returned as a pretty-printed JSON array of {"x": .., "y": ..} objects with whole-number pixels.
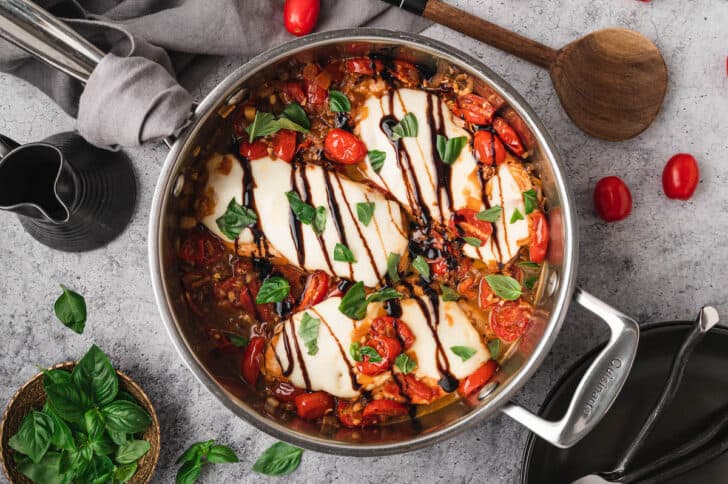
[
  {"x": 488, "y": 148},
  {"x": 474, "y": 109},
  {"x": 406, "y": 72},
  {"x": 343, "y": 147},
  {"x": 284, "y": 145},
  {"x": 378, "y": 411},
  {"x": 285, "y": 392},
  {"x": 486, "y": 296},
  {"x": 388, "y": 348},
  {"x": 539, "y": 243},
  {"x": 470, "y": 225},
  {"x": 315, "y": 93},
  {"x": 234, "y": 290},
  {"x": 349, "y": 413},
  {"x": 467, "y": 287},
  {"x": 253, "y": 151},
  {"x": 364, "y": 66},
  {"x": 612, "y": 199},
  {"x": 250, "y": 364},
  {"x": 680, "y": 177},
  {"x": 310, "y": 406},
  {"x": 439, "y": 266},
  {"x": 293, "y": 91},
  {"x": 392, "y": 328},
  {"x": 201, "y": 248},
  {"x": 419, "y": 392},
  {"x": 477, "y": 379},
  {"x": 317, "y": 285},
  {"x": 509, "y": 136},
  {"x": 300, "y": 16},
  {"x": 509, "y": 320}
]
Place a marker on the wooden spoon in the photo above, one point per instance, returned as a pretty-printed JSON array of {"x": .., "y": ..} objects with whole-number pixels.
[{"x": 611, "y": 82}]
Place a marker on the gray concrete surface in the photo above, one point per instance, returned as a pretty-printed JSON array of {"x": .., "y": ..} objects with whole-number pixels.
[{"x": 662, "y": 263}]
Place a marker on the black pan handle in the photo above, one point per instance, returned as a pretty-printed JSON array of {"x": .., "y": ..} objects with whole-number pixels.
[
  {"x": 6, "y": 146},
  {"x": 417, "y": 7}
]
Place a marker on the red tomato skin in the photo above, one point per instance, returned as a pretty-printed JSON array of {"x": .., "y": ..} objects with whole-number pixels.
[
  {"x": 477, "y": 379},
  {"x": 680, "y": 177},
  {"x": 539, "y": 243},
  {"x": 347, "y": 415},
  {"x": 474, "y": 109},
  {"x": 377, "y": 409},
  {"x": 253, "y": 151},
  {"x": 284, "y": 145},
  {"x": 343, "y": 147},
  {"x": 300, "y": 16},
  {"x": 285, "y": 392},
  {"x": 293, "y": 91},
  {"x": 364, "y": 66},
  {"x": 509, "y": 320},
  {"x": 310, "y": 406},
  {"x": 201, "y": 248},
  {"x": 419, "y": 392},
  {"x": 315, "y": 290},
  {"x": 250, "y": 364},
  {"x": 508, "y": 136},
  {"x": 405, "y": 72},
  {"x": 387, "y": 347},
  {"x": 612, "y": 199},
  {"x": 489, "y": 149},
  {"x": 393, "y": 328},
  {"x": 470, "y": 225}
]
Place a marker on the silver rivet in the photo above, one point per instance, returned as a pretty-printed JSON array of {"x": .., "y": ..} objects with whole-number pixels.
[
  {"x": 178, "y": 185},
  {"x": 487, "y": 390},
  {"x": 553, "y": 283}
]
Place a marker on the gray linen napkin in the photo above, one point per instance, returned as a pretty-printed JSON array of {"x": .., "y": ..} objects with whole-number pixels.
[{"x": 132, "y": 96}]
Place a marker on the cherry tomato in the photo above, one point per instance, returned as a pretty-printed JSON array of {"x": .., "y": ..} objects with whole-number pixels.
[
  {"x": 315, "y": 92},
  {"x": 284, "y": 145},
  {"x": 477, "y": 379},
  {"x": 343, "y": 147},
  {"x": 317, "y": 285},
  {"x": 439, "y": 266},
  {"x": 378, "y": 411},
  {"x": 419, "y": 392},
  {"x": 406, "y": 72},
  {"x": 509, "y": 320},
  {"x": 539, "y": 243},
  {"x": 201, "y": 248},
  {"x": 509, "y": 136},
  {"x": 486, "y": 296},
  {"x": 300, "y": 16},
  {"x": 474, "y": 109},
  {"x": 293, "y": 91},
  {"x": 393, "y": 328},
  {"x": 470, "y": 225},
  {"x": 234, "y": 290},
  {"x": 680, "y": 177},
  {"x": 488, "y": 148},
  {"x": 310, "y": 406},
  {"x": 467, "y": 288},
  {"x": 364, "y": 66},
  {"x": 388, "y": 348},
  {"x": 250, "y": 364},
  {"x": 349, "y": 413},
  {"x": 285, "y": 392},
  {"x": 253, "y": 151},
  {"x": 612, "y": 199}
]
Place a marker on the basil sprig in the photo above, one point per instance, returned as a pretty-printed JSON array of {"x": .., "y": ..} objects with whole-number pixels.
[
  {"x": 449, "y": 294},
  {"x": 449, "y": 149},
  {"x": 354, "y": 302},
  {"x": 505, "y": 287},
  {"x": 358, "y": 352},
  {"x": 516, "y": 216},
  {"x": 365, "y": 212},
  {"x": 198, "y": 455},
  {"x": 235, "y": 219},
  {"x": 464, "y": 352},
  {"x": 293, "y": 117},
  {"x": 274, "y": 289},
  {"x": 406, "y": 128},
  {"x": 307, "y": 214},
  {"x": 343, "y": 254},
  {"x": 530, "y": 200},
  {"x": 280, "y": 459},
  {"x": 308, "y": 331},
  {"x": 385, "y": 294},
  {"x": 421, "y": 265},
  {"x": 338, "y": 102},
  {"x": 70, "y": 309},
  {"x": 404, "y": 363},
  {"x": 295, "y": 113},
  {"x": 376, "y": 159},
  {"x": 492, "y": 214}
]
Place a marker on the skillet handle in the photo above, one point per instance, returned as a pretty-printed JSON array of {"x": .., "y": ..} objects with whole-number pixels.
[{"x": 598, "y": 388}]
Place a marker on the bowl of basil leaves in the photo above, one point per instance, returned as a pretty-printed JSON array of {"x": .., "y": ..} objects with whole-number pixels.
[{"x": 80, "y": 422}]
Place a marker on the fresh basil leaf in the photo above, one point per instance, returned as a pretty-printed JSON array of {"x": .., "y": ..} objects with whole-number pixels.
[
  {"x": 449, "y": 149},
  {"x": 131, "y": 451},
  {"x": 34, "y": 436},
  {"x": 285, "y": 123},
  {"x": 385, "y": 294},
  {"x": 530, "y": 282},
  {"x": 45, "y": 471},
  {"x": 393, "y": 267},
  {"x": 125, "y": 472},
  {"x": 474, "y": 241},
  {"x": 376, "y": 159},
  {"x": 374, "y": 356},
  {"x": 406, "y": 128},
  {"x": 355, "y": 351},
  {"x": 492, "y": 214},
  {"x": 528, "y": 265},
  {"x": 119, "y": 438},
  {"x": 343, "y": 254},
  {"x": 338, "y": 102},
  {"x": 195, "y": 451},
  {"x": 274, "y": 289},
  {"x": 516, "y": 216},
  {"x": 71, "y": 461},
  {"x": 188, "y": 473},
  {"x": 530, "y": 200},
  {"x": 364, "y": 212},
  {"x": 103, "y": 469},
  {"x": 449, "y": 294},
  {"x": 319, "y": 220},
  {"x": 70, "y": 309},
  {"x": 421, "y": 265},
  {"x": 280, "y": 459},
  {"x": 464, "y": 352},
  {"x": 494, "y": 347},
  {"x": 302, "y": 210},
  {"x": 504, "y": 287},
  {"x": 51, "y": 377},
  {"x": 68, "y": 402},
  {"x": 124, "y": 395},
  {"x": 354, "y": 302},
  {"x": 94, "y": 424},
  {"x": 308, "y": 331},
  {"x": 123, "y": 416},
  {"x": 222, "y": 454},
  {"x": 96, "y": 376},
  {"x": 238, "y": 341},
  {"x": 404, "y": 363},
  {"x": 235, "y": 219},
  {"x": 62, "y": 437},
  {"x": 295, "y": 113},
  {"x": 264, "y": 124}
]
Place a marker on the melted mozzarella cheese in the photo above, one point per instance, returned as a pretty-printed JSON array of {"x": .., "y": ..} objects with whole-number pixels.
[
  {"x": 225, "y": 181},
  {"x": 506, "y": 189}
]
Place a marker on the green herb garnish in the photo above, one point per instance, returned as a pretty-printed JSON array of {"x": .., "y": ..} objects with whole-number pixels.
[
  {"x": 421, "y": 265},
  {"x": 530, "y": 282},
  {"x": 528, "y": 265},
  {"x": 338, "y": 102},
  {"x": 449, "y": 149},
  {"x": 406, "y": 128},
  {"x": 464, "y": 352},
  {"x": 393, "y": 267},
  {"x": 274, "y": 289},
  {"x": 494, "y": 347},
  {"x": 504, "y": 287},
  {"x": 358, "y": 352},
  {"x": 70, "y": 309},
  {"x": 516, "y": 216},
  {"x": 376, "y": 159},
  {"x": 343, "y": 254},
  {"x": 264, "y": 124},
  {"x": 449, "y": 294},
  {"x": 308, "y": 331},
  {"x": 385, "y": 294},
  {"x": 237, "y": 340},
  {"x": 235, "y": 219},
  {"x": 404, "y": 363},
  {"x": 293, "y": 117},
  {"x": 294, "y": 112},
  {"x": 364, "y": 212},
  {"x": 474, "y": 241},
  {"x": 354, "y": 302},
  {"x": 307, "y": 214},
  {"x": 492, "y": 214},
  {"x": 279, "y": 460},
  {"x": 199, "y": 454},
  {"x": 530, "y": 200},
  {"x": 319, "y": 220}
]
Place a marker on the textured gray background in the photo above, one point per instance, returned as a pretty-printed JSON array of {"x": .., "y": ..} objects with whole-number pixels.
[{"x": 662, "y": 263}]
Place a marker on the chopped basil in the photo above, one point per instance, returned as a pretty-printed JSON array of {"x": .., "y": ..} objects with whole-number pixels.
[
  {"x": 355, "y": 351},
  {"x": 354, "y": 302},
  {"x": 384, "y": 294},
  {"x": 376, "y": 159},
  {"x": 406, "y": 128},
  {"x": 449, "y": 149},
  {"x": 358, "y": 352},
  {"x": 285, "y": 123},
  {"x": 338, "y": 102},
  {"x": 293, "y": 117},
  {"x": 294, "y": 112},
  {"x": 464, "y": 352},
  {"x": 263, "y": 125},
  {"x": 516, "y": 216},
  {"x": 530, "y": 200},
  {"x": 365, "y": 211},
  {"x": 343, "y": 254},
  {"x": 70, "y": 309},
  {"x": 490, "y": 215},
  {"x": 528, "y": 265},
  {"x": 308, "y": 331},
  {"x": 235, "y": 219},
  {"x": 393, "y": 267},
  {"x": 319, "y": 220},
  {"x": 238, "y": 341},
  {"x": 474, "y": 241},
  {"x": 404, "y": 363},
  {"x": 494, "y": 346},
  {"x": 279, "y": 460},
  {"x": 530, "y": 282},
  {"x": 449, "y": 294},
  {"x": 274, "y": 289},
  {"x": 302, "y": 210},
  {"x": 504, "y": 287},
  {"x": 421, "y": 265}
]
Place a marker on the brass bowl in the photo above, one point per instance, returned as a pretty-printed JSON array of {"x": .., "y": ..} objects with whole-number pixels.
[{"x": 31, "y": 396}]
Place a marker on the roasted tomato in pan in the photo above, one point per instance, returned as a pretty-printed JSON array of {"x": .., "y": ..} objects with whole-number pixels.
[
  {"x": 539, "y": 243},
  {"x": 292, "y": 91},
  {"x": 364, "y": 66},
  {"x": 419, "y": 392},
  {"x": 285, "y": 392},
  {"x": 250, "y": 364},
  {"x": 235, "y": 291},
  {"x": 349, "y": 413},
  {"x": 510, "y": 320},
  {"x": 284, "y": 145},
  {"x": 379, "y": 411},
  {"x": 310, "y": 406},
  {"x": 474, "y": 109},
  {"x": 343, "y": 147},
  {"x": 405, "y": 72},
  {"x": 486, "y": 296},
  {"x": 387, "y": 348},
  {"x": 509, "y": 136},
  {"x": 469, "y": 225},
  {"x": 315, "y": 85},
  {"x": 315, "y": 290},
  {"x": 476, "y": 380},
  {"x": 201, "y": 248},
  {"x": 253, "y": 151},
  {"x": 488, "y": 148},
  {"x": 393, "y": 328}
]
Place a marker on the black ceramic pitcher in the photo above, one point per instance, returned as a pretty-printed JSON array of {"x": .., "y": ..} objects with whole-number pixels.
[{"x": 68, "y": 194}]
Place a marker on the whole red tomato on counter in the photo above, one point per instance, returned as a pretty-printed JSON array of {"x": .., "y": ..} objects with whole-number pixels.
[
  {"x": 680, "y": 177},
  {"x": 612, "y": 199},
  {"x": 300, "y": 16}
]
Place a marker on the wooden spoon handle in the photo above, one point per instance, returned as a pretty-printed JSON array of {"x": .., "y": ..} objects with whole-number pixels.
[{"x": 480, "y": 29}]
